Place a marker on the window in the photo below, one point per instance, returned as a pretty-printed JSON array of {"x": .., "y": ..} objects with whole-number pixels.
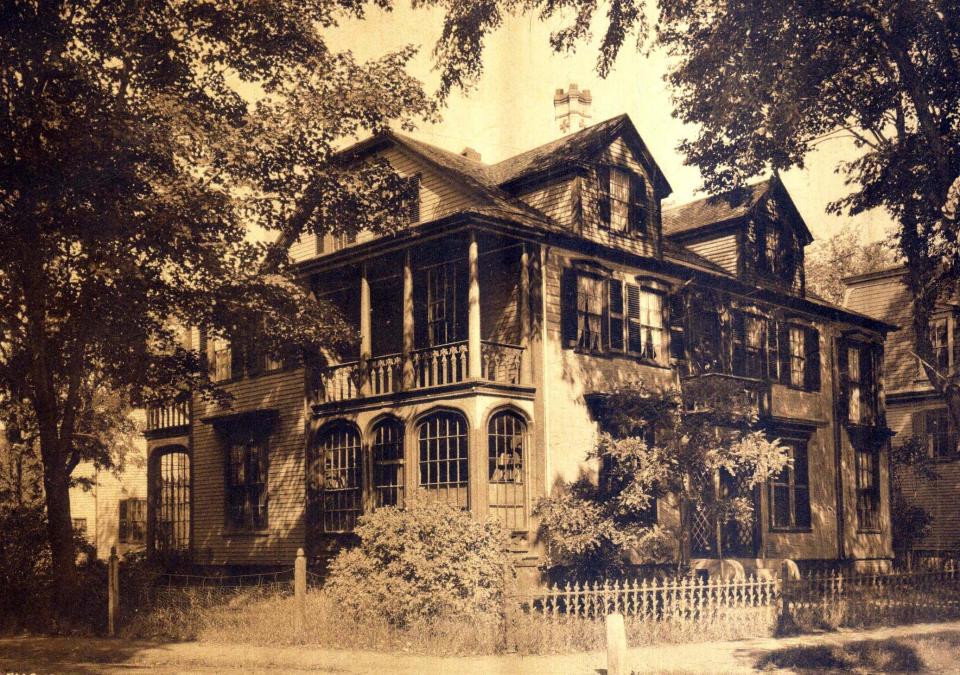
[
  {"x": 246, "y": 491},
  {"x": 868, "y": 488},
  {"x": 222, "y": 359},
  {"x": 388, "y": 463},
  {"x": 801, "y": 357},
  {"x": 860, "y": 390},
  {"x": 443, "y": 457},
  {"x": 748, "y": 345},
  {"x": 172, "y": 502},
  {"x": 623, "y": 199},
  {"x": 619, "y": 200},
  {"x": 506, "y": 439},
  {"x": 790, "y": 490},
  {"x": 615, "y": 314},
  {"x": 442, "y": 324},
  {"x": 644, "y": 322},
  {"x": 80, "y": 525},
  {"x": 413, "y": 198},
  {"x": 338, "y": 457},
  {"x": 589, "y": 312},
  {"x": 939, "y": 342},
  {"x": 706, "y": 342},
  {"x": 133, "y": 521},
  {"x": 934, "y": 427},
  {"x": 772, "y": 249}
]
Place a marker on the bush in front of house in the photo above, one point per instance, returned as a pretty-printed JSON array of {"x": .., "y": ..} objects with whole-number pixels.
[{"x": 423, "y": 562}]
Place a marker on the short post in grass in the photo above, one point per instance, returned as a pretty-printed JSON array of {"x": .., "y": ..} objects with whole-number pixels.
[
  {"x": 113, "y": 591},
  {"x": 616, "y": 645},
  {"x": 300, "y": 590}
]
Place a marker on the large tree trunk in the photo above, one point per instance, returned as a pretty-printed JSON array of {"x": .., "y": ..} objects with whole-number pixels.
[{"x": 56, "y": 483}]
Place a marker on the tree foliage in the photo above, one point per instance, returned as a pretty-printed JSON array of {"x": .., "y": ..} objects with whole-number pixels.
[
  {"x": 829, "y": 261},
  {"x": 658, "y": 445},
  {"x": 140, "y": 144},
  {"x": 763, "y": 82}
]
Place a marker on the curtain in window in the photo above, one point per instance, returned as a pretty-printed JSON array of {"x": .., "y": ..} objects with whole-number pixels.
[
  {"x": 619, "y": 200},
  {"x": 589, "y": 311},
  {"x": 790, "y": 490},
  {"x": 797, "y": 356}
]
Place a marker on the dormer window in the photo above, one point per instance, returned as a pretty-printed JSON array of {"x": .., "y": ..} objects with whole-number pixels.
[{"x": 622, "y": 201}]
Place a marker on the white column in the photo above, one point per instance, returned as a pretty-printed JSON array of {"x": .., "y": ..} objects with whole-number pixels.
[
  {"x": 366, "y": 341},
  {"x": 474, "y": 365},
  {"x": 408, "y": 374}
]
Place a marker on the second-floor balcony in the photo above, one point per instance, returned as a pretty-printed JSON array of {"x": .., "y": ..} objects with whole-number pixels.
[
  {"x": 168, "y": 417},
  {"x": 431, "y": 315},
  {"x": 429, "y": 367}
]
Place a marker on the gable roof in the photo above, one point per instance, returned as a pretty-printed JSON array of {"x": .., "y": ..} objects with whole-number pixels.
[
  {"x": 718, "y": 210},
  {"x": 580, "y": 146},
  {"x": 714, "y": 210}
]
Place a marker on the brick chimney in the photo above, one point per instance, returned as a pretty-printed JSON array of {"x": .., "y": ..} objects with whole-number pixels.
[
  {"x": 470, "y": 153},
  {"x": 571, "y": 108}
]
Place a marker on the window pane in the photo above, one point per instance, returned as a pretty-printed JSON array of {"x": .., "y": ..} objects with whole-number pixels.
[
  {"x": 619, "y": 200},
  {"x": 797, "y": 356},
  {"x": 781, "y": 506},
  {"x": 388, "y": 463},
  {"x": 339, "y": 447},
  {"x": 443, "y": 457},
  {"x": 506, "y": 433}
]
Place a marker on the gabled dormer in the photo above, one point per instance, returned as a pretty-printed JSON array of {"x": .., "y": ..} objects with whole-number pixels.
[{"x": 755, "y": 233}]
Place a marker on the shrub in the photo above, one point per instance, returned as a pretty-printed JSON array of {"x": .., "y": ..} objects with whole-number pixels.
[{"x": 421, "y": 562}]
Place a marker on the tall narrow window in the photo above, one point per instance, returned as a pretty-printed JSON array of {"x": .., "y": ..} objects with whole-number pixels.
[
  {"x": 748, "y": 344},
  {"x": 798, "y": 356},
  {"x": 506, "y": 439},
  {"x": 222, "y": 360},
  {"x": 615, "y": 314},
  {"x": 790, "y": 490},
  {"x": 868, "y": 488},
  {"x": 644, "y": 322},
  {"x": 171, "y": 531},
  {"x": 246, "y": 489},
  {"x": 133, "y": 521},
  {"x": 773, "y": 351},
  {"x": 339, "y": 458},
  {"x": 388, "y": 463},
  {"x": 938, "y": 340},
  {"x": 854, "y": 385},
  {"x": 589, "y": 311},
  {"x": 619, "y": 200},
  {"x": 441, "y": 304},
  {"x": 443, "y": 457},
  {"x": 706, "y": 342}
]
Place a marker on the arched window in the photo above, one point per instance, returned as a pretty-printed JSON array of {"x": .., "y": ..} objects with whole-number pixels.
[
  {"x": 387, "y": 450},
  {"x": 444, "y": 457},
  {"x": 506, "y": 441},
  {"x": 171, "y": 524},
  {"x": 337, "y": 475}
]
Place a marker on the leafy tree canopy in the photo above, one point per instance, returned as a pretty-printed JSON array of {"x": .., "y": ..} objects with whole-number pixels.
[
  {"x": 132, "y": 168},
  {"x": 829, "y": 261}
]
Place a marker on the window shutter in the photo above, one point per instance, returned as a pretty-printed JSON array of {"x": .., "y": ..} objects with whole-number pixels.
[
  {"x": 568, "y": 308},
  {"x": 784, "y": 349},
  {"x": 843, "y": 401},
  {"x": 638, "y": 201},
  {"x": 634, "y": 335},
  {"x": 413, "y": 197},
  {"x": 123, "y": 521},
  {"x": 614, "y": 314},
  {"x": 603, "y": 195},
  {"x": 678, "y": 347},
  {"x": 811, "y": 346},
  {"x": 236, "y": 357},
  {"x": 919, "y": 422}
]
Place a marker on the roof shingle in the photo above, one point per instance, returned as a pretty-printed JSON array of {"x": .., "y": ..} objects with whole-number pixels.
[{"x": 713, "y": 210}]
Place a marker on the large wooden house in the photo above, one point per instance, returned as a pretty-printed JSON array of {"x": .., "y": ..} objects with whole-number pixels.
[
  {"x": 914, "y": 407},
  {"x": 519, "y": 290}
]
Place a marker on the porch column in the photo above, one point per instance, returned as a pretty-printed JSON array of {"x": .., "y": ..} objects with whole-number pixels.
[
  {"x": 366, "y": 342},
  {"x": 526, "y": 362},
  {"x": 408, "y": 374},
  {"x": 474, "y": 364}
]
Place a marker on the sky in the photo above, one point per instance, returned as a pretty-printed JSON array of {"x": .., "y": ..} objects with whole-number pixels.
[{"x": 511, "y": 108}]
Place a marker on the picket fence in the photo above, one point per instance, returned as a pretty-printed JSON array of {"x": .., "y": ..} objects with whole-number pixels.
[{"x": 684, "y": 598}]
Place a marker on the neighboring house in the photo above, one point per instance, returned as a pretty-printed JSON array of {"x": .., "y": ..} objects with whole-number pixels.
[
  {"x": 521, "y": 291},
  {"x": 913, "y": 406},
  {"x": 112, "y": 511}
]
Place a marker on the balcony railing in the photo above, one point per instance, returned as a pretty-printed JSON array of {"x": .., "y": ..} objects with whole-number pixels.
[
  {"x": 432, "y": 367},
  {"x": 168, "y": 416}
]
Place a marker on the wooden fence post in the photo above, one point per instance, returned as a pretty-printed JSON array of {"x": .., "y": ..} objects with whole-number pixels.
[
  {"x": 113, "y": 592},
  {"x": 510, "y": 600},
  {"x": 300, "y": 590},
  {"x": 616, "y": 645}
]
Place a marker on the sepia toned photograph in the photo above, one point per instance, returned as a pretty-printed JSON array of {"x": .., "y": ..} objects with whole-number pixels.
[{"x": 479, "y": 336}]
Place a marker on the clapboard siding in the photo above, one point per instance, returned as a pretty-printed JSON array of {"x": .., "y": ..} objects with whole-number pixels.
[
  {"x": 556, "y": 199},
  {"x": 439, "y": 197},
  {"x": 212, "y": 544},
  {"x": 721, "y": 250},
  {"x": 887, "y": 298},
  {"x": 499, "y": 293}
]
